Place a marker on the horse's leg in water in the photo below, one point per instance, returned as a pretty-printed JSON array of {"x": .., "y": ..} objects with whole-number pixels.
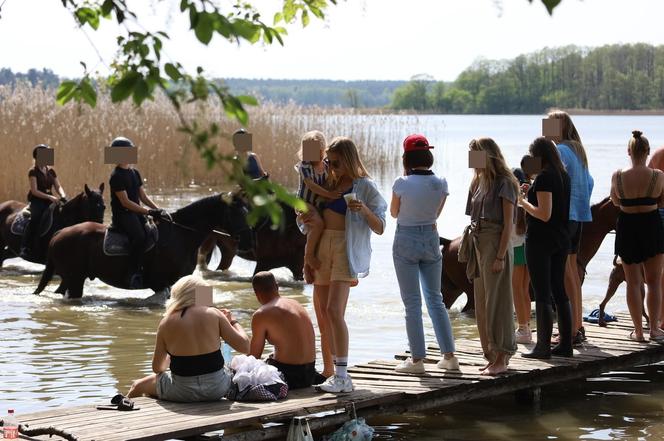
[
  {"x": 62, "y": 289},
  {"x": 75, "y": 288}
]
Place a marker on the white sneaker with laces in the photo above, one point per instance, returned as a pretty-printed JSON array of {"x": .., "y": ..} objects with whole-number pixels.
[
  {"x": 524, "y": 336},
  {"x": 408, "y": 366},
  {"x": 450, "y": 364},
  {"x": 336, "y": 384}
]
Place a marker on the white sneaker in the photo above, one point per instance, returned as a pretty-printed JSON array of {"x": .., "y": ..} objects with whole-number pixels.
[
  {"x": 524, "y": 336},
  {"x": 336, "y": 384},
  {"x": 408, "y": 366},
  {"x": 450, "y": 364}
]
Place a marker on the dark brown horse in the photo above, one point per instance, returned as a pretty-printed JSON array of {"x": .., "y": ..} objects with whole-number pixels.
[
  {"x": 273, "y": 248},
  {"x": 86, "y": 206},
  {"x": 453, "y": 278},
  {"x": 76, "y": 253}
]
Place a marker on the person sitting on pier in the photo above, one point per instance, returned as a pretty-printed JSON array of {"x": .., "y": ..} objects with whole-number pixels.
[
  {"x": 188, "y": 342},
  {"x": 286, "y": 325}
]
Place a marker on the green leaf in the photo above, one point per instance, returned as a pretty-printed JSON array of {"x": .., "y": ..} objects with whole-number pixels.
[
  {"x": 247, "y": 30},
  {"x": 550, "y": 5},
  {"x": 248, "y": 99},
  {"x": 88, "y": 15},
  {"x": 278, "y": 17},
  {"x": 141, "y": 91},
  {"x": 305, "y": 18},
  {"x": 88, "y": 93},
  {"x": 204, "y": 28},
  {"x": 124, "y": 88},
  {"x": 65, "y": 92},
  {"x": 172, "y": 71}
]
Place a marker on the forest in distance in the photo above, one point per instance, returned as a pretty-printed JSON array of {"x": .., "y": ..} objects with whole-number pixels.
[{"x": 626, "y": 77}]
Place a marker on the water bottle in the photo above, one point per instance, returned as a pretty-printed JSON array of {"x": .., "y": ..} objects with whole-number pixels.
[
  {"x": 226, "y": 352},
  {"x": 10, "y": 426}
]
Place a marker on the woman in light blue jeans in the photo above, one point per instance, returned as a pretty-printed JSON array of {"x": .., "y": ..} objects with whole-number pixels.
[{"x": 418, "y": 198}]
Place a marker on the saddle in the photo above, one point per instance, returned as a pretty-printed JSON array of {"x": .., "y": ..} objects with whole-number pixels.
[
  {"x": 116, "y": 241},
  {"x": 22, "y": 219}
]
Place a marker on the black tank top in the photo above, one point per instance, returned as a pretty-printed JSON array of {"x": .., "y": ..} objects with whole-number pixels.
[
  {"x": 635, "y": 202},
  {"x": 194, "y": 365}
]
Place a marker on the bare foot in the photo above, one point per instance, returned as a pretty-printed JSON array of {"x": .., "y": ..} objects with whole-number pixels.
[
  {"x": 308, "y": 274},
  {"x": 494, "y": 369},
  {"x": 354, "y": 283},
  {"x": 312, "y": 261},
  {"x": 484, "y": 367}
]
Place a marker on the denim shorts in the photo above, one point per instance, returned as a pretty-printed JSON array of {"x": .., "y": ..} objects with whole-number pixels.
[{"x": 206, "y": 387}]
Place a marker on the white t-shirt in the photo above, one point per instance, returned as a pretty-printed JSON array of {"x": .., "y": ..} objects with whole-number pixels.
[{"x": 420, "y": 196}]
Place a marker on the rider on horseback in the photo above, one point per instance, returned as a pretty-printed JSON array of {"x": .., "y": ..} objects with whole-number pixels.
[
  {"x": 128, "y": 215},
  {"x": 42, "y": 179}
]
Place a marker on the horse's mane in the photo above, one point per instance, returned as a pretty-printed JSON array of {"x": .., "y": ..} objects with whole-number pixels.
[{"x": 190, "y": 213}]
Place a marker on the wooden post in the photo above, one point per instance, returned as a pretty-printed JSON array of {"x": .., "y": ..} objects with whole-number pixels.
[{"x": 530, "y": 396}]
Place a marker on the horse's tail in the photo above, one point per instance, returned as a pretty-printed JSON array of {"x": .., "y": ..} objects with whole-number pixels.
[
  {"x": 444, "y": 242},
  {"x": 46, "y": 276}
]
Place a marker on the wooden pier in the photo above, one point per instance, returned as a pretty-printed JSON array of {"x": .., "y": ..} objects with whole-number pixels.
[{"x": 378, "y": 390}]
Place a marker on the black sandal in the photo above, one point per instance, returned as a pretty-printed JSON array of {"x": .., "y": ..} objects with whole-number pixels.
[{"x": 120, "y": 402}]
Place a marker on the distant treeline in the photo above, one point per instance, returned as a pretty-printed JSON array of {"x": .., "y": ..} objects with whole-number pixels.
[
  {"x": 616, "y": 77},
  {"x": 325, "y": 93},
  {"x": 45, "y": 77}
]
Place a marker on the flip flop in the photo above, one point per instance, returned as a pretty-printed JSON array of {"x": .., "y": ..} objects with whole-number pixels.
[
  {"x": 593, "y": 317},
  {"x": 120, "y": 402},
  {"x": 641, "y": 340},
  {"x": 658, "y": 339}
]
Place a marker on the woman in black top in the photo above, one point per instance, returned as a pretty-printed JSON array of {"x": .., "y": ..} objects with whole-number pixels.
[
  {"x": 547, "y": 243},
  {"x": 42, "y": 180},
  {"x": 638, "y": 191}
]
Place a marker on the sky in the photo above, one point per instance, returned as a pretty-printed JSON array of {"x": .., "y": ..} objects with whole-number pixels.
[{"x": 358, "y": 40}]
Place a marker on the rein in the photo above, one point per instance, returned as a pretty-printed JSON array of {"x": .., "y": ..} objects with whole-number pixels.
[{"x": 193, "y": 230}]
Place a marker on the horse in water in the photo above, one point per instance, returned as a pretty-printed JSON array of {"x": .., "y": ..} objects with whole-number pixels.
[
  {"x": 455, "y": 282},
  {"x": 273, "y": 248},
  {"x": 77, "y": 252},
  {"x": 86, "y": 206}
]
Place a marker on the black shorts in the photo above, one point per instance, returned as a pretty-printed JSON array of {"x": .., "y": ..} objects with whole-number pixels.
[
  {"x": 575, "y": 228},
  {"x": 297, "y": 376}
]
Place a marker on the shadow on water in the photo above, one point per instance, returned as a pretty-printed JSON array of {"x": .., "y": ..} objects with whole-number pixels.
[{"x": 614, "y": 406}]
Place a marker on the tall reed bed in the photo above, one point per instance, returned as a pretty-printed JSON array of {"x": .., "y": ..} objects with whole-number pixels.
[{"x": 29, "y": 116}]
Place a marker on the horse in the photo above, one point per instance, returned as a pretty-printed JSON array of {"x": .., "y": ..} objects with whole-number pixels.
[
  {"x": 76, "y": 252},
  {"x": 273, "y": 248},
  {"x": 453, "y": 277},
  {"x": 86, "y": 206}
]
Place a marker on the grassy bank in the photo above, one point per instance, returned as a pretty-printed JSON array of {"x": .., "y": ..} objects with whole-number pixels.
[{"x": 29, "y": 116}]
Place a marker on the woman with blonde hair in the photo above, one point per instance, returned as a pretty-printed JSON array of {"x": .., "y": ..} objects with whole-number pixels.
[
  {"x": 491, "y": 201},
  {"x": 573, "y": 156},
  {"x": 188, "y": 342},
  {"x": 344, "y": 251},
  {"x": 638, "y": 191}
]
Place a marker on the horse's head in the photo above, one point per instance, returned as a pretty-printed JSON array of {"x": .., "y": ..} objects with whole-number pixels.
[
  {"x": 234, "y": 221},
  {"x": 87, "y": 205}
]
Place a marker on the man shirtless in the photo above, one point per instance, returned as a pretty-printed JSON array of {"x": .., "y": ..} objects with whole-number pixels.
[{"x": 286, "y": 325}]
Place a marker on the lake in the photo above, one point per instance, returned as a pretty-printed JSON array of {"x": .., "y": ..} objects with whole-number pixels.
[{"x": 57, "y": 352}]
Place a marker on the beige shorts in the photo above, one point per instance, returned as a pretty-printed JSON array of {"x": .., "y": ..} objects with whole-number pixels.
[{"x": 333, "y": 257}]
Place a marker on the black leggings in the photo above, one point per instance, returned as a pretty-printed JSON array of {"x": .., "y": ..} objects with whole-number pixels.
[
  {"x": 546, "y": 265},
  {"x": 134, "y": 226},
  {"x": 37, "y": 209}
]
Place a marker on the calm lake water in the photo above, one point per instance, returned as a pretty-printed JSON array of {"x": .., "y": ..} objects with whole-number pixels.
[{"x": 57, "y": 352}]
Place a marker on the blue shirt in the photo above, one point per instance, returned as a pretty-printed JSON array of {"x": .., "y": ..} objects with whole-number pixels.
[
  {"x": 581, "y": 183},
  {"x": 358, "y": 233},
  {"x": 420, "y": 197}
]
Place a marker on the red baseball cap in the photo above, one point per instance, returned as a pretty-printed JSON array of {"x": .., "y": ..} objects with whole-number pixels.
[{"x": 416, "y": 142}]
